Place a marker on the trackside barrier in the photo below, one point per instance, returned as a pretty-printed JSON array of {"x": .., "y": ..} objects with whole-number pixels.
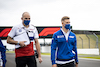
[
  {"x": 95, "y": 51},
  {"x": 88, "y": 51}
]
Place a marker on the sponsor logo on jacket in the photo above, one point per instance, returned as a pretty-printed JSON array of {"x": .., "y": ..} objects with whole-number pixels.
[
  {"x": 71, "y": 36},
  {"x": 60, "y": 36}
]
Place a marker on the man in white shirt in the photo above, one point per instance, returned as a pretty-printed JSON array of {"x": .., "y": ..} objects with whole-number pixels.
[{"x": 22, "y": 36}]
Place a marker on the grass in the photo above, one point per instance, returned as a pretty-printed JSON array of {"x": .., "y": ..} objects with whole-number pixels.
[
  {"x": 94, "y": 57},
  {"x": 98, "y": 37},
  {"x": 45, "y": 53},
  {"x": 41, "y": 53},
  {"x": 10, "y": 51},
  {"x": 89, "y": 56},
  {"x": 99, "y": 40}
]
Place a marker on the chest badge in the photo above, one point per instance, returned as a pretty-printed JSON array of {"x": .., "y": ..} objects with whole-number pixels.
[{"x": 20, "y": 30}]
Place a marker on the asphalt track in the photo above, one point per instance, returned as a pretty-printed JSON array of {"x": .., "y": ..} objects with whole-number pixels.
[{"x": 47, "y": 63}]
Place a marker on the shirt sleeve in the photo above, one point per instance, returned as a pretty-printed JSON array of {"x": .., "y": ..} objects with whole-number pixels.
[
  {"x": 36, "y": 34},
  {"x": 53, "y": 49},
  {"x": 12, "y": 33},
  {"x": 75, "y": 50}
]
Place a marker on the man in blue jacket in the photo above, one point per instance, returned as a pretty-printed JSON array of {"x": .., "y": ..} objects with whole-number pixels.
[
  {"x": 64, "y": 46},
  {"x": 2, "y": 55}
]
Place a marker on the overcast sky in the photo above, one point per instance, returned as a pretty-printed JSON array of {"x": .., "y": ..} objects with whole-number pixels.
[{"x": 84, "y": 14}]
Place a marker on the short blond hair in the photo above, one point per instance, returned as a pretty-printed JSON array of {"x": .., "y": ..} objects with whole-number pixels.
[{"x": 65, "y": 17}]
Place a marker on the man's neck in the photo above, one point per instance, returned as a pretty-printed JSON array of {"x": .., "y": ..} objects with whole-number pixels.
[{"x": 65, "y": 30}]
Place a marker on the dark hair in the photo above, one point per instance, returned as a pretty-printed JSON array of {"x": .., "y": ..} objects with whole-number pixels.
[{"x": 65, "y": 17}]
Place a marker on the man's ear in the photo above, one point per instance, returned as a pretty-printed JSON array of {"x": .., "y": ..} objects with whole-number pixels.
[
  {"x": 21, "y": 18},
  {"x": 62, "y": 22}
]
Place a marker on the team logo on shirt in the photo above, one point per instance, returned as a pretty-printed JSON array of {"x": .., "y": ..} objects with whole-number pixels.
[
  {"x": 60, "y": 36},
  {"x": 71, "y": 36},
  {"x": 20, "y": 30}
]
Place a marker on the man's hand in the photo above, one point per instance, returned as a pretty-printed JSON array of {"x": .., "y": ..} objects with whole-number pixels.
[
  {"x": 22, "y": 43},
  {"x": 76, "y": 65},
  {"x": 11, "y": 41},
  {"x": 54, "y": 65},
  {"x": 40, "y": 59}
]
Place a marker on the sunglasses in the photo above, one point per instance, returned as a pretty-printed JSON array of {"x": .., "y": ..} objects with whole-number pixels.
[{"x": 27, "y": 18}]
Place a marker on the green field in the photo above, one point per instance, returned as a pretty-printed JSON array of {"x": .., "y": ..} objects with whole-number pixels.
[
  {"x": 93, "y": 57},
  {"x": 10, "y": 51}
]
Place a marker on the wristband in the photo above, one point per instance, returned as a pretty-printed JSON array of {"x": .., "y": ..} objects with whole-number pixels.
[{"x": 76, "y": 62}]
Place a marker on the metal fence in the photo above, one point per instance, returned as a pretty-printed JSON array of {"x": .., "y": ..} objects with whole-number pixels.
[{"x": 87, "y": 40}]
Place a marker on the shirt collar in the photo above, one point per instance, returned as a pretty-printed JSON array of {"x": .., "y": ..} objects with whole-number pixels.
[
  {"x": 24, "y": 26},
  {"x": 64, "y": 32}
]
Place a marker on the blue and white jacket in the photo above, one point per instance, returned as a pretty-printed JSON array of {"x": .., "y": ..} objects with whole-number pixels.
[{"x": 62, "y": 49}]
